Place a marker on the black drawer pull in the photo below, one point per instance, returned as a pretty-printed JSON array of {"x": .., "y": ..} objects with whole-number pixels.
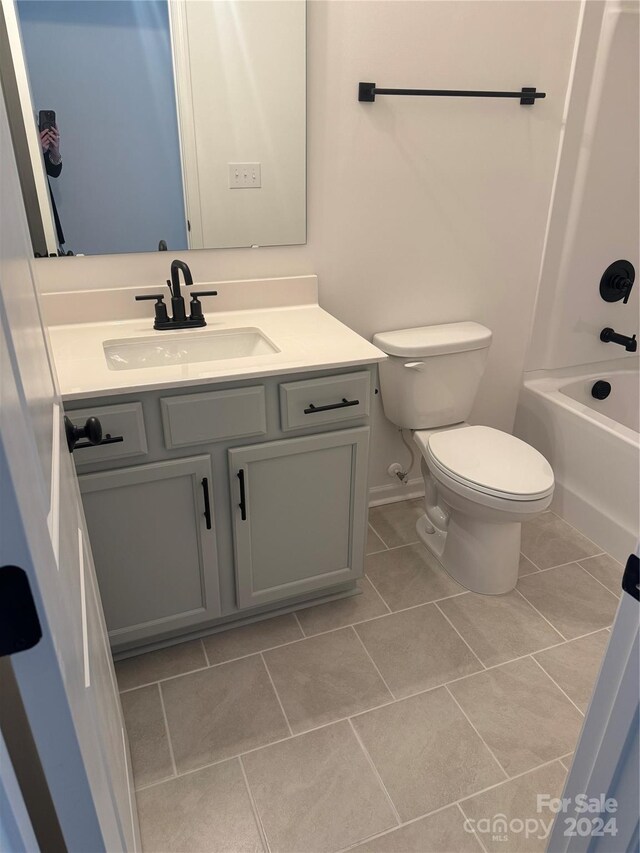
[
  {"x": 243, "y": 497},
  {"x": 343, "y": 405},
  {"x": 207, "y": 505},
  {"x": 108, "y": 439}
]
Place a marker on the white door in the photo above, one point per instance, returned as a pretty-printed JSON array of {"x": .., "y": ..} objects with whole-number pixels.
[
  {"x": 66, "y": 680},
  {"x": 599, "y": 813},
  {"x": 16, "y": 831}
]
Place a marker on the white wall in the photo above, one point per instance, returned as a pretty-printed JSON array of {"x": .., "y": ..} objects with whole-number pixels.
[
  {"x": 595, "y": 214},
  {"x": 420, "y": 210},
  {"x": 244, "y": 94}
]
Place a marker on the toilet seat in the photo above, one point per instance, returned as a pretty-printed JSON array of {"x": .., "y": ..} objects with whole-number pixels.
[{"x": 490, "y": 462}]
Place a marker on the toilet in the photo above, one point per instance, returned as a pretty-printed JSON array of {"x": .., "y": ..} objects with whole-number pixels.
[{"x": 480, "y": 483}]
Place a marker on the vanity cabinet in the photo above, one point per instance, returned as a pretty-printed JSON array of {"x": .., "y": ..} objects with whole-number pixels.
[
  {"x": 283, "y": 463},
  {"x": 298, "y": 514},
  {"x": 154, "y": 550}
]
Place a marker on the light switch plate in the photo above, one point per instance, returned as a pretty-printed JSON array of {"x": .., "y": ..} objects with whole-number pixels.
[{"x": 244, "y": 176}]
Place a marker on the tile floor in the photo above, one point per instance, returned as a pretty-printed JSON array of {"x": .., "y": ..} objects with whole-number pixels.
[{"x": 380, "y": 722}]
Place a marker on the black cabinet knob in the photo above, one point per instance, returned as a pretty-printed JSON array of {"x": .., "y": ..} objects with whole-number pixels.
[{"x": 91, "y": 431}]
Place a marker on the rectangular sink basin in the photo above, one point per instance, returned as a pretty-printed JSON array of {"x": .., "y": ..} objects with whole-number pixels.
[{"x": 186, "y": 347}]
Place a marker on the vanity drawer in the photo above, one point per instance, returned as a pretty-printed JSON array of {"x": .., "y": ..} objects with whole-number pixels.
[
  {"x": 125, "y": 419},
  {"x": 213, "y": 416},
  {"x": 324, "y": 401}
]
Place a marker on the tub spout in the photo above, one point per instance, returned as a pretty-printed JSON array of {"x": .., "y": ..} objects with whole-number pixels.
[{"x": 609, "y": 336}]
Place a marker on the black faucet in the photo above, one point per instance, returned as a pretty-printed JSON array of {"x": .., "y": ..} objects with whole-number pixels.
[
  {"x": 177, "y": 302},
  {"x": 609, "y": 336},
  {"x": 179, "y": 319}
]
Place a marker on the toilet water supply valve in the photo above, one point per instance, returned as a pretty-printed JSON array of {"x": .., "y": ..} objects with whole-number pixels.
[{"x": 396, "y": 470}]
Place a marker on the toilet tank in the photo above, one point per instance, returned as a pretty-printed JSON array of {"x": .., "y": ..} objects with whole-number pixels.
[{"x": 431, "y": 376}]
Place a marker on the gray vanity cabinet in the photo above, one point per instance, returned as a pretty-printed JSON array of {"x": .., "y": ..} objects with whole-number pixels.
[
  {"x": 299, "y": 514},
  {"x": 300, "y": 444},
  {"x": 154, "y": 550}
]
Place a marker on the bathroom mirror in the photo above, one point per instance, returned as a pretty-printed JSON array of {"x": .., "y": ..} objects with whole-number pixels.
[{"x": 179, "y": 123}]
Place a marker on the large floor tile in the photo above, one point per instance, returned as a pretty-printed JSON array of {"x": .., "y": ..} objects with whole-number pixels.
[
  {"x": 219, "y": 712},
  {"x": 571, "y": 599},
  {"x": 517, "y": 802},
  {"x": 525, "y": 566},
  {"x": 325, "y": 678},
  {"x": 208, "y": 811},
  {"x": 317, "y": 792},
  {"x": 343, "y": 611},
  {"x": 442, "y": 832},
  {"x": 499, "y": 627},
  {"x": 163, "y": 663},
  {"x": 247, "y": 639},
  {"x": 144, "y": 721},
  {"x": 566, "y": 761},
  {"x": 408, "y": 576},
  {"x": 426, "y": 752},
  {"x": 416, "y": 649},
  {"x": 607, "y": 570},
  {"x": 395, "y": 523},
  {"x": 549, "y": 541},
  {"x": 374, "y": 542},
  {"x": 575, "y": 665},
  {"x": 521, "y": 714}
]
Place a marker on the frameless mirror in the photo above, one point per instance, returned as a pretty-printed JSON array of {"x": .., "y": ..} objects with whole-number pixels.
[{"x": 168, "y": 123}]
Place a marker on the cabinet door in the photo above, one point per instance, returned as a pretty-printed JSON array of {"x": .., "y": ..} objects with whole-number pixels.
[
  {"x": 301, "y": 525},
  {"x": 155, "y": 556}
]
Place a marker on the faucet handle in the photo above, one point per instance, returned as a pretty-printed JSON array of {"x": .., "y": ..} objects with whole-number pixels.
[
  {"x": 196, "y": 307},
  {"x": 161, "y": 308},
  {"x": 632, "y": 344}
]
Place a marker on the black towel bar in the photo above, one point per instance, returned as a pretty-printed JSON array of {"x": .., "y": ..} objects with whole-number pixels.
[{"x": 368, "y": 91}]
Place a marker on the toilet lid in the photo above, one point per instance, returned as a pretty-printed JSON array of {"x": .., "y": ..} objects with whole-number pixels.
[{"x": 491, "y": 461}]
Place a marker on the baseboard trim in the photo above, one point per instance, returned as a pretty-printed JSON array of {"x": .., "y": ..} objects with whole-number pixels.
[{"x": 396, "y": 492}]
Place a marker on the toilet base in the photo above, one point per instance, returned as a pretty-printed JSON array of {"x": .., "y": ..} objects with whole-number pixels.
[{"x": 481, "y": 556}]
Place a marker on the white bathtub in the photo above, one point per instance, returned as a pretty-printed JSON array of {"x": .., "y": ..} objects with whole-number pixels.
[{"x": 593, "y": 446}]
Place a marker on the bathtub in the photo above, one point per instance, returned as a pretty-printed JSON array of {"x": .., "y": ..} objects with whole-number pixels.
[{"x": 593, "y": 446}]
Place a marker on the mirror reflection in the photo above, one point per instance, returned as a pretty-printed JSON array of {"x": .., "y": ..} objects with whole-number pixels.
[{"x": 169, "y": 123}]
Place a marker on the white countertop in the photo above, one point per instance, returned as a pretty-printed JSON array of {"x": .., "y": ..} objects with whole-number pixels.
[{"x": 308, "y": 338}]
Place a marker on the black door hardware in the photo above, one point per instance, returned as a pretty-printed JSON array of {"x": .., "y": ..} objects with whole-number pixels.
[
  {"x": 617, "y": 281},
  {"x": 631, "y": 577},
  {"x": 19, "y": 623},
  {"x": 343, "y": 405},
  {"x": 527, "y": 96},
  {"x": 179, "y": 320},
  {"x": 601, "y": 389},
  {"x": 91, "y": 431},
  {"x": 609, "y": 336},
  {"x": 207, "y": 505},
  {"x": 243, "y": 497}
]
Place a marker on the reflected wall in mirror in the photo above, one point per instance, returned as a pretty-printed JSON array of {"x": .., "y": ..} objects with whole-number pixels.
[{"x": 182, "y": 123}]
